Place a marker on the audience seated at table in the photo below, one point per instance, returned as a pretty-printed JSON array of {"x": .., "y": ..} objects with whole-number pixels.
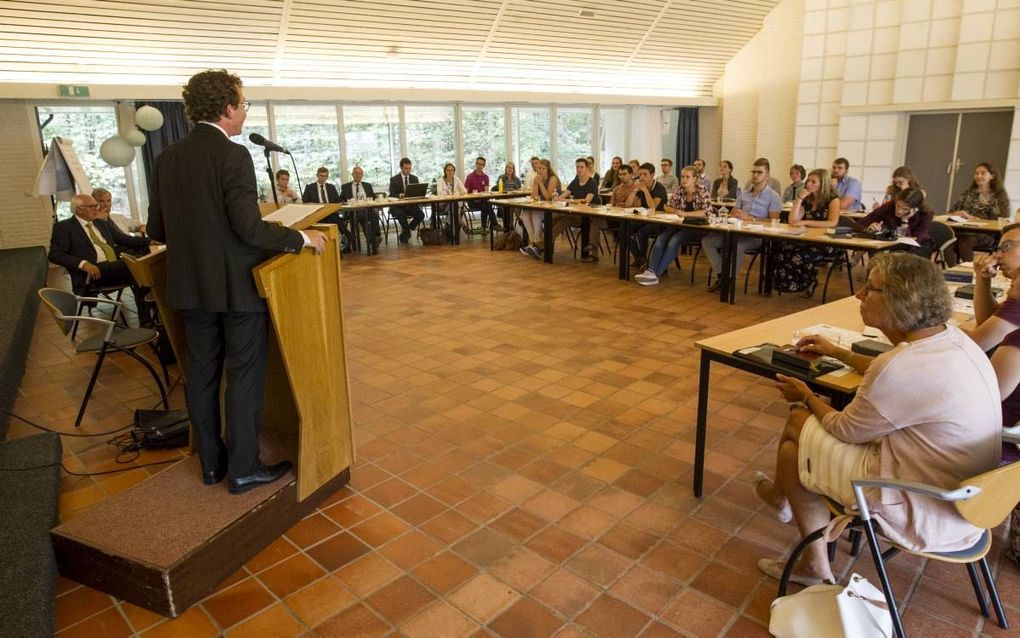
[
  {"x": 797, "y": 176},
  {"x": 699, "y": 165},
  {"x": 625, "y": 187},
  {"x": 477, "y": 181},
  {"x": 508, "y": 179},
  {"x": 529, "y": 178},
  {"x": 126, "y": 225},
  {"x": 594, "y": 173},
  {"x": 847, "y": 186},
  {"x": 668, "y": 180},
  {"x": 583, "y": 189},
  {"x": 771, "y": 182},
  {"x": 611, "y": 180},
  {"x": 409, "y": 217},
  {"x": 986, "y": 198},
  {"x": 545, "y": 188},
  {"x": 635, "y": 166},
  {"x": 908, "y": 214},
  {"x": 758, "y": 202},
  {"x": 944, "y": 429},
  {"x": 726, "y": 186},
  {"x": 357, "y": 190},
  {"x": 649, "y": 194},
  {"x": 689, "y": 199},
  {"x": 285, "y": 194},
  {"x": 993, "y": 319},
  {"x": 451, "y": 185},
  {"x": 902, "y": 179},
  {"x": 795, "y": 265}
]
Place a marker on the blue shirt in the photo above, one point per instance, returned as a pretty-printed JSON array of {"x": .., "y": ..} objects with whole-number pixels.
[
  {"x": 850, "y": 186},
  {"x": 760, "y": 205}
]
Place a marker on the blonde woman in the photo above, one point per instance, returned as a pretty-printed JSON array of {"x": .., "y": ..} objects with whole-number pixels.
[
  {"x": 796, "y": 264},
  {"x": 544, "y": 189}
]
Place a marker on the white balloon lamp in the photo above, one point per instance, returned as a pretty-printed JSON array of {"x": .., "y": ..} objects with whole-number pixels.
[
  {"x": 148, "y": 118},
  {"x": 115, "y": 151},
  {"x": 134, "y": 137}
]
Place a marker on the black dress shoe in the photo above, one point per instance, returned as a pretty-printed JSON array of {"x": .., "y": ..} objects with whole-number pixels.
[{"x": 264, "y": 474}]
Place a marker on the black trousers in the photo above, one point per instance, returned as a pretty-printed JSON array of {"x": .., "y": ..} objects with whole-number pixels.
[
  {"x": 485, "y": 207},
  {"x": 235, "y": 342},
  {"x": 401, "y": 213},
  {"x": 116, "y": 273}
]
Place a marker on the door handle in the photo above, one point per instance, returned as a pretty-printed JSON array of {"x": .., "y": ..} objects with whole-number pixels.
[{"x": 958, "y": 164}]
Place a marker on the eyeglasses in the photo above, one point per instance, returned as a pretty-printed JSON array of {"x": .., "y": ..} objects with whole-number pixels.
[
  {"x": 246, "y": 105},
  {"x": 868, "y": 289},
  {"x": 1006, "y": 245},
  {"x": 88, "y": 206}
]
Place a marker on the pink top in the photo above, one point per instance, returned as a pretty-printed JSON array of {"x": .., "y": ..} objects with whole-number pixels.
[
  {"x": 934, "y": 404},
  {"x": 476, "y": 183}
]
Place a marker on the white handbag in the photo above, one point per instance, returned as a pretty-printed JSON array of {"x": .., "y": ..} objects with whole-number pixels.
[{"x": 832, "y": 611}]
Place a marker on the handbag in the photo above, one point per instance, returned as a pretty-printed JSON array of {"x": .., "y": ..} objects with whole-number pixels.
[
  {"x": 855, "y": 611},
  {"x": 432, "y": 236}
]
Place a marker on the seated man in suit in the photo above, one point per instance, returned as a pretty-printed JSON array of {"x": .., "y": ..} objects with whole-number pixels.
[
  {"x": 398, "y": 183},
  {"x": 89, "y": 248},
  {"x": 126, "y": 225},
  {"x": 355, "y": 190},
  {"x": 323, "y": 192}
]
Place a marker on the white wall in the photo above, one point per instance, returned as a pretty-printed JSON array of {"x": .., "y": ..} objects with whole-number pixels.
[
  {"x": 25, "y": 220},
  {"x": 758, "y": 95}
]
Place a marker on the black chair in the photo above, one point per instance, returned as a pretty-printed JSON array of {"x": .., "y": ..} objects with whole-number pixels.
[
  {"x": 64, "y": 306},
  {"x": 943, "y": 237}
]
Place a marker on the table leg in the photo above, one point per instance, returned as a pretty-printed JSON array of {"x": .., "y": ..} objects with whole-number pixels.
[
  {"x": 767, "y": 248},
  {"x": 455, "y": 222},
  {"x": 623, "y": 250},
  {"x": 702, "y": 426},
  {"x": 547, "y": 233},
  {"x": 728, "y": 257}
]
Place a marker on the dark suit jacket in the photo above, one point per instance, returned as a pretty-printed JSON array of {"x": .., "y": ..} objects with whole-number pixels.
[
  {"x": 70, "y": 244},
  {"x": 397, "y": 183},
  {"x": 204, "y": 205},
  {"x": 347, "y": 191},
  {"x": 311, "y": 194}
]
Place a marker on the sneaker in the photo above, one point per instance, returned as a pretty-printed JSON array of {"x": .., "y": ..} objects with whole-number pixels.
[
  {"x": 526, "y": 250},
  {"x": 648, "y": 281},
  {"x": 648, "y": 274},
  {"x": 534, "y": 252},
  {"x": 589, "y": 258},
  {"x": 716, "y": 285}
]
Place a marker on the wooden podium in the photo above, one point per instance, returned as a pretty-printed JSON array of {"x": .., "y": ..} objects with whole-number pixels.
[{"x": 121, "y": 545}]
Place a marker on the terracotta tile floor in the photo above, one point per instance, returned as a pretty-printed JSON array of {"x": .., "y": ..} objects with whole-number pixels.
[{"x": 525, "y": 440}]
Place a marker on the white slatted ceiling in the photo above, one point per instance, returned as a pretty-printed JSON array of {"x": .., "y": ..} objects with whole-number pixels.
[{"x": 669, "y": 45}]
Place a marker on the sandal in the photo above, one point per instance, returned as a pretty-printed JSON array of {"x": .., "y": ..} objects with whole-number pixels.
[
  {"x": 783, "y": 511},
  {"x": 774, "y": 568}
]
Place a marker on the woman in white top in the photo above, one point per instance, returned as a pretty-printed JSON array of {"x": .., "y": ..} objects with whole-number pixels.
[{"x": 450, "y": 184}]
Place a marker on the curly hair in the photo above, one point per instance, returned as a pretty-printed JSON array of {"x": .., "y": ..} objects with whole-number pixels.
[
  {"x": 207, "y": 94},
  {"x": 916, "y": 296}
]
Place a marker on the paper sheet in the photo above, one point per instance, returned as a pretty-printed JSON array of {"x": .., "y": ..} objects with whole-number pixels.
[{"x": 291, "y": 213}]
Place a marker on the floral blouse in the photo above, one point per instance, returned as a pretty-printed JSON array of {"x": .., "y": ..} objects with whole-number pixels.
[
  {"x": 701, "y": 201},
  {"x": 983, "y": 205}
]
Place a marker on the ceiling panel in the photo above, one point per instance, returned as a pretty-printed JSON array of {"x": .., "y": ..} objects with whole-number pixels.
[{"x": 672, "y": 47}]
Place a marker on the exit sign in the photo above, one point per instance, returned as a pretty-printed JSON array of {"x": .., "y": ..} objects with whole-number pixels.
[{"x": 70, "y": 90}]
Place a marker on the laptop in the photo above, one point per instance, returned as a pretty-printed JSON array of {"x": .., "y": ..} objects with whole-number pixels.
[{"x": 416, "y": 190}]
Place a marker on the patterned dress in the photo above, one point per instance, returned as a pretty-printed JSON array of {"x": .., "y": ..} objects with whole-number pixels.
[{"x": 795, "y": 265}]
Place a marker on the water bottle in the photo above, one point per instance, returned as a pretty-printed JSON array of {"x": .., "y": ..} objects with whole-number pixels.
[{"x": 499, "y": 184}]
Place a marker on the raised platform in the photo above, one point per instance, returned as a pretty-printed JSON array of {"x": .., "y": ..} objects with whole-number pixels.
[
  {"x": 169, "y": 541},
  {"x": 23, "y": 271}
]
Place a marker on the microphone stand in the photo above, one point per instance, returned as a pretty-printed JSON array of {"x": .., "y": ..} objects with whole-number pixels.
[{"x": 272, "y": 182}]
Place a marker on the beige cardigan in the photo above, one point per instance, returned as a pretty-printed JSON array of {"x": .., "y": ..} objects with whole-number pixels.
[{"x": 935, "y": 406}]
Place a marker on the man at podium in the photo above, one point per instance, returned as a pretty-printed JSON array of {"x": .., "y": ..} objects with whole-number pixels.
[{"x": 204, "y": 206}]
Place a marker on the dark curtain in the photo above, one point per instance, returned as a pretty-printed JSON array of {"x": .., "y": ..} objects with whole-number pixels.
[
  {"x": 686, "y": 136},
  {"x": 175, "y": 126}
]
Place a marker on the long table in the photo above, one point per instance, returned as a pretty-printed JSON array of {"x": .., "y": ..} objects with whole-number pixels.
[
  {"x": 721, "y": 348},
  {"x": 627, "y": 218}
]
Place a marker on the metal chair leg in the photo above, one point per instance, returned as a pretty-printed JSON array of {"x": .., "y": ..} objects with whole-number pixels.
[
  {"x": 994, "y": 593},
  {"x": 978, "y": 592},
  {"x": 855, "y": 542},
  {"x": 155, "y": 376},
  {"x": 750, "y": 267},
  {"x": 890, "y": 600},
  {"x": 92, "y": 384},
  {"x": 784, "y": 582}
]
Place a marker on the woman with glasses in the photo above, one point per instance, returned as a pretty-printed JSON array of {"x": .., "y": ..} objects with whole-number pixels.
[
  {"x": 944, "y": 429},
  {"x": 816, "y": 206}
]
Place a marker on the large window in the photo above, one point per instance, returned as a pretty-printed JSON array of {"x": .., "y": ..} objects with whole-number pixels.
[
  {"x": 573, "y": 138},
  {"x": 613, "y": 133},
  {"x": 258, "y": 122},
  {"x": 431, "y": 140},
  {"x": 372, "y": 136},
  {"x": 531, "y": 133},
  {"x": 88, "y": 127},
  {"x": 309, "y": 131},
  {"x": 484, "y": 130}
]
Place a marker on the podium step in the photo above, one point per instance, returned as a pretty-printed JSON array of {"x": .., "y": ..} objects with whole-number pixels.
[{"x": 169, "y": 541}]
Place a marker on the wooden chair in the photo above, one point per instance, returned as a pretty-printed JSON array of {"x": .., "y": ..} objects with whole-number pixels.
[
  {"x": 64, "y": 307},
  {"x": 984, "y": 501}
]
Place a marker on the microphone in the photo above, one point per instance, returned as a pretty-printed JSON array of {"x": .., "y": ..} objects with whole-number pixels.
[{"x": 255, "y": 138}]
